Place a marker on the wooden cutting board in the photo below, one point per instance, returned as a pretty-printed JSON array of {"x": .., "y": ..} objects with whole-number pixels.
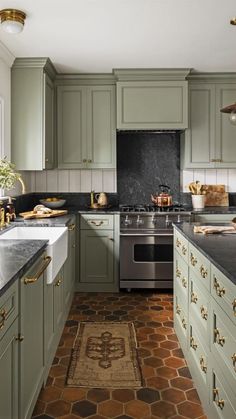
[
  {"x": 216, "y": 196},
  {"x": 31, "y": 214}
]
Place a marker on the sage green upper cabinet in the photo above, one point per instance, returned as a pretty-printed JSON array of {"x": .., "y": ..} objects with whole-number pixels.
[
  {"x": 86, "y": 129},
  {"x": 152, "y": 99},
  {"x": 33, "y": 114},
  {"x": 210, "y": 141}
]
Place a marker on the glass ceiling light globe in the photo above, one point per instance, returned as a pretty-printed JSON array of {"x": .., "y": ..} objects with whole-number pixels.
[
  {"x": 232, "y": 117},
  {"x": 12, "y": 26}
]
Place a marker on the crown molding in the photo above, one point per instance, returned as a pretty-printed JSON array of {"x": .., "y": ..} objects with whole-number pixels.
[
  {"x": 6, "y": 55},
  {"x": 148, "y": 74},
  {"x": 83, "y": 79},
  {"x": 215, "y": 77},
  {"x": 36, "y": 62}
]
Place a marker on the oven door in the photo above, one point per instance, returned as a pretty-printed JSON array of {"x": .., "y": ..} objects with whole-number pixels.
[{"x": 146, "y": 257}]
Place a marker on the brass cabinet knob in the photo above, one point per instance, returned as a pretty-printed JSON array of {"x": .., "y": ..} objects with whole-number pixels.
[
  {"x": 220, "y": 402},
  {"x": 178, "y": 272},
  {"x": 194, "y": 298},
  {"x": 46, "y": 160},
  {"x": 204, "y": 313},
  {"x": 233, "y": 357},
  {"x": 234, "y": 306},
  {"x": 216, "y": 160},
  {"x": 184, "y": 323},
  {"x": 218, "y": 338},
  {"x": 202, "y": 364},
  {"x": 178, "y": 309},
  {"x": 184, "y": 282},
  {"x": 84, "y": 160},
  {"x": 73, "y": 246},
  {"x": 203, "y": 271},
  {"x": 193, "y": 343},
  {"x": 220, "y": 291},
  {"x": 184, "y": 250},
  {"x": 178, "y": 243},
  {"x": 193, "y": 260},
  {"x": 89, "y": 160},
  {"x": 19, "y": 337},
  {"x": 58, "y": 283},
  {"x": 71, "y": 227}
]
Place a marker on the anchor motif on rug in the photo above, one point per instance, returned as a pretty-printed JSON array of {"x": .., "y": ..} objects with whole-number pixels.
[{"x": 105, "y": 348}]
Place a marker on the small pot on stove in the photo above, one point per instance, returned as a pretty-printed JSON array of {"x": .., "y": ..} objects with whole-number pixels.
[{"x": 163, "y": 199}]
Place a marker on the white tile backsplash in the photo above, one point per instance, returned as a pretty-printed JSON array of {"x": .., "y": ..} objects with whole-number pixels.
[{"x": 225, "y": 177}]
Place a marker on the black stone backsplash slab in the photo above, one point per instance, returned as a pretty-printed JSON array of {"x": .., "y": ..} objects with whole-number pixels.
[{"x": 144, "y": 161}]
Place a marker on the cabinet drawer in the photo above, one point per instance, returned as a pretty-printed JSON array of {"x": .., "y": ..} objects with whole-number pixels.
[
  {"x": 181, "y": 279},
  {"x": 8, "y": 308},
  {"x": 224, "y": 292},
  {"x": 223, "y": 343},
  {"x": 96, "y": 222},
  {"x": 181, "y": 321},
  {"x": 200, "y": 266},
  {"x": 181, "y": 245},
  {"x": 222, "y": 398},
  {"x": 199, "y": 305},
  {"x": 197, "y": 354}
]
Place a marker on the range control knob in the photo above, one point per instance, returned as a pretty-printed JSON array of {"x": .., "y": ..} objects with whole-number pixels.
[
  {"x": 139, "y": 221},
  {"x": 127, "y": 221},
  {"x": 178, "y": 218},
  {"x": 154, "y": 220}
]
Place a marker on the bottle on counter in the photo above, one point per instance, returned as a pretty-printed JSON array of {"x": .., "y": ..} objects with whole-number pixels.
[{"x": 10, "y": 209}]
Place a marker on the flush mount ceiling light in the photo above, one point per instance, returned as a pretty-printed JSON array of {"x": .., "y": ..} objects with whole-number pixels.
[
  {"x": 233, "y": 21},
  {"x": 12, "y": 20},
  {"x": 231, "y": 109}
]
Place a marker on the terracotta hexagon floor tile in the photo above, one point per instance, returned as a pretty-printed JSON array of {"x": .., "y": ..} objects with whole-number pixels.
[
  {"x": 184, "y": 372},
  {"x": 149, "y": 345},
  {"x": 98, "y": 395},
  {"x": 174, "y": 362},
  {"x": 173, "y": 395},
  {"x": 97, "y": 417},
  {"x": 190, "y": 410},
  {"x": 44, "y": 416},
  {"x": 165, "y": 330},
  {"x": 84, "y": 408},
  {"x": 178, "y": 353},
  {"x": 182, "y": 383},
  {"x": 153, "y": 362},
  {"x": 49, "y": 394},
  {"x": 161, "y": 353},
  {"x": 148, "y": 371},
  {"x": 57, "y": 371},
  {"x": 123, "y": 395},
  {"x": 157, "y": 337},
  {"x": 143, "y": 353},
  {"x": 192, "y": 396},
  {"x": 63, "y": 352},
  {"x": 110, "y": 408},
  {"x": 163, "y": 409},
  {"x": 74, "y": 394},
  {"x": 58, "y": 408},
  {"x": 137, "y": 409},
  {"x": 169, "y": 344},
  {"x": 166, "y": 372},
  {"x": 148, "y": 395},
  {"x": 59, "y": 382},
  {"x": 70, "y": 416},
  {"x": 158, "y": 383},
  {"x": 39, "y": 408},
  {"x": 172, "y": 337}
]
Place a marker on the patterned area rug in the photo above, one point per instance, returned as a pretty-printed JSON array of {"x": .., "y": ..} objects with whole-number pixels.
[{"x": 105, "y": 355}]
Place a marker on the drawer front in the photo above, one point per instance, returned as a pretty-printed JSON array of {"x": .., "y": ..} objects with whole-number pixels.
[
  {"x": 181, "y": 245},
  {"x": 224, "y": 292},
  {"x": 200, "y": 266},
  {"x": 222, "y": 398},
  {"x": 96, "y": 222},
  {"x": 9, "y": 308},
  {"x": 223, "y": 343},
  {"x": 181, "y": 321},
  {"x": 199, "y": 305},
  {"x": 197, "y": 353},
  {"x": 181, "y": 279}
]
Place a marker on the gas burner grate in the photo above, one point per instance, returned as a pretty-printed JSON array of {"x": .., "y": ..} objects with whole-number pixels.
[{"x": 152, "y": 208}]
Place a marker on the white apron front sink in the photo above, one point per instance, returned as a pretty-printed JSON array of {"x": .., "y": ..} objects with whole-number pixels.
[{"x": 57, "y": 246}]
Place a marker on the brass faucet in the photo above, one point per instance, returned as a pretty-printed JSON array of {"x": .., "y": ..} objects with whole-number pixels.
[{"x": 2, "y": 215}]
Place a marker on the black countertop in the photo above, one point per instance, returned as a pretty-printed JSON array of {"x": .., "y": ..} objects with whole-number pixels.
[
  {"x": 220, "y": 249},
  {"x": 214, "y": 210}
]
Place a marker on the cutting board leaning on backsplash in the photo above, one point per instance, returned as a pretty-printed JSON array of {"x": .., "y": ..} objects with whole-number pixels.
[{"x": 216, "y": 196}]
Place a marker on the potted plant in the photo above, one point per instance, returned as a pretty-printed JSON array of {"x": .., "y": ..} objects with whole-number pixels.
[
  {"x": 8, "y": 176},
  {"x": 198, "y": 194}
]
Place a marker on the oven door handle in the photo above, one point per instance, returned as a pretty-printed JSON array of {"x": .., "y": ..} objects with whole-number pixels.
[{"x": 146, "y": 235}]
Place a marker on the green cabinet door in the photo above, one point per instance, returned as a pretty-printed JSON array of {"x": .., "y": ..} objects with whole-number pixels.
[
  {"x": 69, "y": 267},
  {"x": 58, "y": 301},
  {"x": 96, "y": 260},
  {"x": 32, "y": 329},
  {"x": 198, "y": 142},
  {"x": 9, "y": 373},
  {"x": 32, "y": 119}
]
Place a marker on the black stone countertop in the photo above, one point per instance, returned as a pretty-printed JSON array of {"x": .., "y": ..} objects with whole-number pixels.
[
  {"x": 214, "y": 210},
  {"x": 16, "y": 257},
  {"x": 61, "y": 221},
  {"x": 220, "y": 249}
]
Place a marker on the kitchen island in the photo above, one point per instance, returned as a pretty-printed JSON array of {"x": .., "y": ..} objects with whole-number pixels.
[{"x": 205, "y": 314}]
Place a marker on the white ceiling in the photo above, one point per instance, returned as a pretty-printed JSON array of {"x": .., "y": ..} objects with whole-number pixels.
[{"x": 99, "y": 35}]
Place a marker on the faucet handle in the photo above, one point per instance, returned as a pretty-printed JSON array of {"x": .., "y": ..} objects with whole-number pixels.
[{"x": 8, "y": 217}]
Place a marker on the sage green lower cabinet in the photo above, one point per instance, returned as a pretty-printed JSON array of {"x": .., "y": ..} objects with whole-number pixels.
[
  {"x": 206, "y": 327},
  {"x": 69, "y": 265},
  {"x": 9, "y": 366},
  {"x": 32, "y": 331},
  {"x": 99, "y": 248}
]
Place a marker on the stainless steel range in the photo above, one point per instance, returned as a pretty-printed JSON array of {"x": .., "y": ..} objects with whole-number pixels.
[{"x": 146, "y": 245}]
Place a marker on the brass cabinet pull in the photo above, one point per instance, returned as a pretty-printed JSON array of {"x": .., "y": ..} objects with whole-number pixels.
[
  {"x": 220, "y": 291},
  {"x": 71, "y": 227},
  {"x": 178, "y": 243},
  {"x": 3, "y": 314},
  {"x": 216, "y": 160},
  {"x": 194, "y": 298},
  {"x": 202, "y": 364},
  {"x": 184, "y": 282},
  {"x": 111, "y": 238},
  {"x": 178, "y": 309},
  {"x": 203, "y": 271},
  {"x": 233, "y": 357},
  {"x": 40, "y": 272},
  {"x": 220, "y": 402},
  {"x": 193, "y": 343},
  {"x": 193, "y": 260},
  {"x": 234, "y": 306},
  {"x": 90, "y": 161},
  {"x": 19, "y": 337},
  {"x": 178, "y": 273},
  {"x": 219, "y": 339},
  {"x": 184, "y": 250},
  {"x": 58, "y": 283},
  {"x": 97, "y": 223},
  {"x": 74, "y": 246},
  {"x": 184, "y": 323},
  {"x": 204, "y": 313},
  {"x": 84, "y": 160},
  {"x": 46, "y": 160}
]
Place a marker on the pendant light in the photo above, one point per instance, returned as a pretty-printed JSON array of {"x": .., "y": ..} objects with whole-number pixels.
[{"x": 12, "y": 20}]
